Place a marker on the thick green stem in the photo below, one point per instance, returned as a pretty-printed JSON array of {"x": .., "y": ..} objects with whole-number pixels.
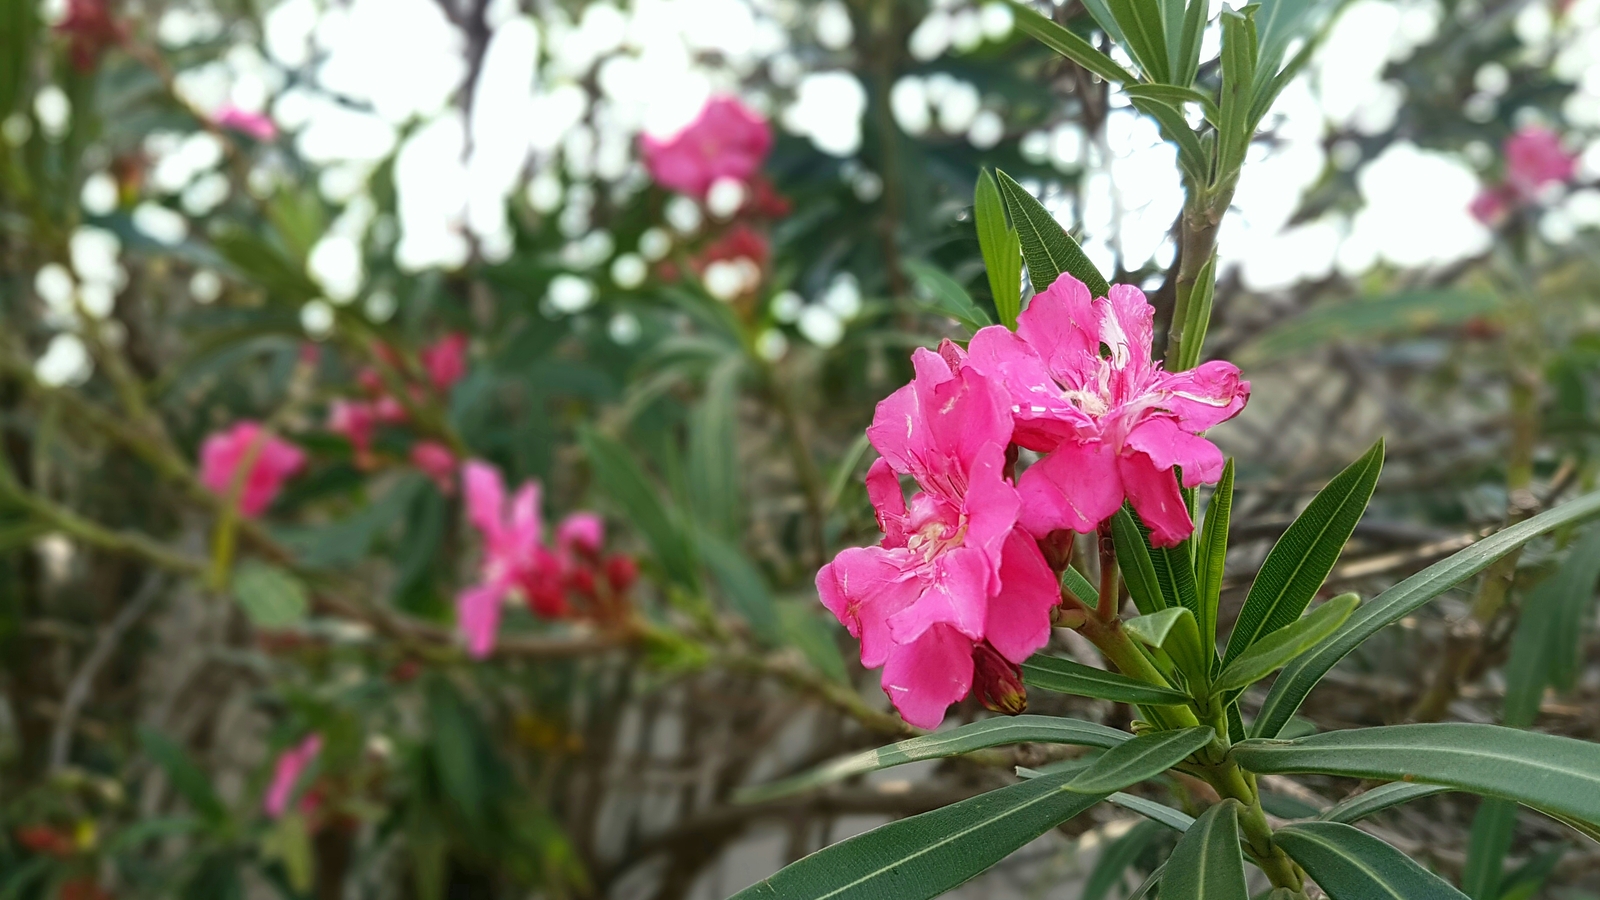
[
  {"x": 1233, "y": 783},
  {"x": 1113, "y": 642},
  {"x": 1197, "y": 242}
]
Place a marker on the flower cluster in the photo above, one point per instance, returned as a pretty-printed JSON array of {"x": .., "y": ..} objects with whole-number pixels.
[
  {"x": 555, "y": 581},
  {"x": 959, "y": 584},
  {"x": 1535, "y": 159},
  {"x": 443, "y": 363}
]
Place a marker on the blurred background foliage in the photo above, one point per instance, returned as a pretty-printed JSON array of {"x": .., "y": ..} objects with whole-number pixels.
[{"x": 220, "y": 212}]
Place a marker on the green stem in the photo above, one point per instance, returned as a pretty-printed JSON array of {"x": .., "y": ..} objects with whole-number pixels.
[{"x": 1197, "y": 242}]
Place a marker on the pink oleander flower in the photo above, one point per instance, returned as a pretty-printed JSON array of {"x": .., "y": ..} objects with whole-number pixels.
[
  {"x": 581, "y": 533},
  {"x": 1085, "y": 391},
  {"x": 292, "y": 763},
  {"x": 514, "y": 555},
  {"x": 256, "y": 125},
  {"x": 445, "y": 361},
  {"x": 726, "y": 140},
  {"x": 1534, "y": 159},
  {"x": 1492, "y": 204},
  {"x": 437, "y": 462},
  {"x": 355, "y": 421},
  {"x": 275, "y": 462},
  {"x": 953, "y": 575}
]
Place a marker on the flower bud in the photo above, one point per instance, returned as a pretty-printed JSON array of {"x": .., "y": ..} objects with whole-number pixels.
[
  {"x": 1057, "y": 549},
  {"x": 621, "y": 573},
  {"x": 997, "y": 681}
]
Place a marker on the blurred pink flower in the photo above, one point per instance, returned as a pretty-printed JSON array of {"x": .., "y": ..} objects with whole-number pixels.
[
  {"x": 1492, "y": 204},
  {"x": 582, "y": 532},
  {"x": 437, "y": 462},
  {"x": 726, "y": 140},
  {"x": 90, "y": 30},
  {"x": 1535, "y": 158},
  {"x": 292, "y": 763},
  {"x": 254, "y": 124},
  {"x": 275, "y": 462},
  {"x": 514, "y": 555},
  {"x": 355, "y": 421},
  {"x": 923, "y": 600},
  {"x": 1085, "y": 390},
  {"x": 445, "y": 361}
]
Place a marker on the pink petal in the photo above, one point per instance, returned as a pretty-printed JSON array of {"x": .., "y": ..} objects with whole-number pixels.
[
  {"x": 1155, "y": 497},
  {"x": 883, "y": 489},
  {"x": 726, "y": 140},
  {"x": 898, "y": 431},
  {"x": 863, "y": 587},
  {"x": 966, "y": 417},
  {"x": 478, "y": 617},
  {"x": 286, "y": 773},
  {"x": 1019, "y": 617},
  {"x": 1203, "y": 397},
  {"x": 991, "y": 506},
  {"x": 957, "y": 595},
  {"x": 1126, "y": 328},
  {"x": 1062, "y": 325},
  {"x": 1168, "y": 445},
  {"x": 1044, "y": 418},
  {"x": 486, "y": 497},
  {"x": 1076, "y": 487},
  {"x": 923, "y": 678},
  {"x": 583, "y": 531}
]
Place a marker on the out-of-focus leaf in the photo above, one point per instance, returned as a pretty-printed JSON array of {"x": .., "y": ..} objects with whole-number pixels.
[
  {"x": 713, "y": 459},
  {"x": 1117, "y": 857},
  {"x": 188, "y": 779},
  {"x": 1525, "y": 881},
  {"x": 1046, "y": 246},
  {"x": 620, "y": 477},
  {"x": 289, "y": 842},
  {"x": 1370, "y": 318},
  {"x": 299, "y": 218},
  {"x": 345, "y": 542},
  {"x": 454, "y": 735},
  {"x": 19, "y": 24},
  {"x": 1002, "y": 253},
  {"x": 808, "y": 628},
  {"x": 269, "y": 595},
  {"x": 262, "y": 264},
  {"x": 744, "y": 586},
  {"x": 943, "y": 295},
  {"x": 1493, "y": 827}
]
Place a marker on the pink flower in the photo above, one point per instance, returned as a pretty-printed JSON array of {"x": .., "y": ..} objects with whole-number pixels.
[
  {"x": 437, "y": 462},
  {"x": 1084, "y": 390},
  {"x": 286, "y": 774},
  {"x": 355, "y": 421},
  {"x": 1535, "y": 158},
  {"x": 726, "y": 140},
  {"x": 1492, "y": 204},
  {"x": 514, "y": 555},
  {"x": 581, "y": 532},
  {"x": 256, "y": 125},
  {"x": 445, "y": 361},
  {"x": 275, "y": 461},
  {"x": 953, "y": 571}
]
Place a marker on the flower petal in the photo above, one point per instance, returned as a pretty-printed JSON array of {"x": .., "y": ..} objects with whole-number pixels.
[
  {"x": 1153, "y": 491},
  {"x": 1076, "y": 487},
  {"x": 1018, "y": 620},
  {"x": 923, "y": 678},
  {"x": 1202, "y": 397},
  {"x": 1044, "y": 418},
  {"x": 883, "y": 489},
  {"x": 1062, "y": 326},
  {"x": 863, "y": 587},
  {"x": 478, "y": 617},
  {"x": 486, "y": 497},
  {"x": 1168, "y": 445},
  {"x": 1126, "y": 325},
  {"x": 957, "y": 595}
]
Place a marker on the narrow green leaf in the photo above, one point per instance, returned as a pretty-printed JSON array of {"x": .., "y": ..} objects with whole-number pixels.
[
  {"x": 1063, "y": 676},
  {"x": 1197, "y": 316},
  {"x": 713, "y": 457},
  {"x": 813, "y": 632},
  {"x": 1175, "y": 97},
  {"x": 1213, "y": 555},
  {"x": 1378, "y": 799},
  {"x": 1156, "y": 812},
  {"x": 619, "y": 476},
  {"x": 1493, "y": 827},
  {"x": 1300, "y": 676},
  {"x": 1150, "y": 883},
  {"x": 1277, "y": 649},
  {"x": 270, "y": 596},
  {"x": 1299, "y": 562},
  {"x": 1146, "y": 756},
  {"x": 1046, "y": 247},
  {"x": 1369, "y": 319},
  {"x": 1190, "y": 39},
  {"x": 943, "y": 295},
  {"x": 1069, "y": 44},
  {"x": 923, "y": 856},
  {"x": 188, "y": 779},
  {"x": 1173, "y": 630},
  {"x": 1080, "y": 587},
  {"x": 744, "y": 586},
  {"x": 1235, "y": 126},
  {"x": 1115, "y": 859},
  {"x": 1352, "y": 865},
  {"x": 978, "y": 735},
  {"x": 1192, "y": 156},
  {"x": 1543, "y": 771},
  {"x": 1002, "y": 253},
  {"x": 1207, "y": 863},
  {"x": 1140, "y": 21},
  {"x": 1138, "y": 569}
]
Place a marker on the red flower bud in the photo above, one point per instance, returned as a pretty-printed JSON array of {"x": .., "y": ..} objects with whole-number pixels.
[
  {"x": 997, "y": 681},
  {"x": 621, "y": 573}
]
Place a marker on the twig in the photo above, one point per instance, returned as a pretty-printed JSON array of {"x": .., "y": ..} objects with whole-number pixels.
[{"x": 78, "y": 690}]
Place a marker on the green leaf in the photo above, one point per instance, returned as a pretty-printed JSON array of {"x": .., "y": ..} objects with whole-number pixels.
[
  {"x": 1352, "y": 865},
  {"x": 289, "y": 842},
  {"x": 1002, "y": 253},
  {"x": 1378, "y": 799},
  {"x": 1145, "y": 756},
  {"x": 1166, "y": 815},
  {"x": 1192, "y": 156},
  {"x": 713, "y": 458},
  {"x": 944, "y": 296},
  {"x": 619, "y": 476},
  {"x": 1235, "y": 125},
  {"x": 1142, "y": 37},
  {"x": 1069, "y": 44},
  {"x": 1493, "y": 827},
  {"x": 1545, "y": 648},
  {"x": 1063, "y": 676},
  {"x": 810, "y": 630},
  {"x": 1277, "y": 649},
  {"x": 1046, "y": 247},
  {"x": 1173, "y": 630},
  {"x": 1115, "y": 859},
  {"x": 1370, "y": 319},
  {"x": 1138, "y": 568},
  {"x": 978, "y": 735},
  {"x": 1187, "y": 63},
  {"x": 1299, "y": 562},
  {"x": 1207, "y": 863},
  {"x": 1197, "y": 316},
  {"x": 188, "y": 779},
  {"x": 1544, "y": 771},
  {"x": 1212, "y": 556},
  {"x": 744, "y": 586},
  {"x": 265, "y": 265},
  {"x": 1300, "y": 676},
  {"x": 270, "y": 596},
  {"x": 923, "y": 856},
  {"x": 1073, "y": 580}
]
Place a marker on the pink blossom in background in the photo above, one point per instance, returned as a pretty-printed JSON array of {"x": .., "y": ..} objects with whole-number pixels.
[
  {"x": 1492, "y": 204},
  {"x": 1085, "y": 391},
  {"x": 1535, "y": 158},
  {"x": 582, "y": 532},
  {"x": 514, "y": 555},
  {"x": 726, "y": 140},
  {"x": 254, "y": 124},
  {"x": 953, "y": 570},
  {"x": 355, "y": 421},
  {"x": 90, "y": 30},
  {"x": 275, "y": 462},
  {"x": 291, "y": 764},
  {"x": 445, "y": 361},
  {"x": 437, "y": 462}
]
